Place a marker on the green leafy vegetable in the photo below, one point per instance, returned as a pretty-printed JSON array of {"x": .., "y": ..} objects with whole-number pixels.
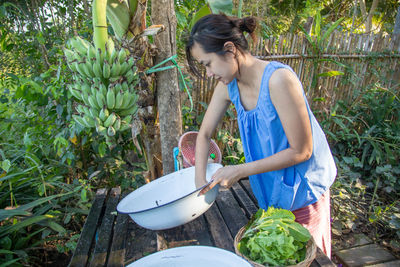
[{"x": 273, "y": 237}]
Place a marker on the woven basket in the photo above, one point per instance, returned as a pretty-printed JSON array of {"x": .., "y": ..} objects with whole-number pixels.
[
  {"x": 187, "y": 146},
  {"x": 310, "y": 254}
]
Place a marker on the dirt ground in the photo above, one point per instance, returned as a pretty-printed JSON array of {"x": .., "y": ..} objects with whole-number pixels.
[{"x": 351, "y": 219}]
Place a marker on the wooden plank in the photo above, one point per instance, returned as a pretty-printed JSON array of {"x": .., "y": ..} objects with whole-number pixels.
[
  {"x": 140, "y": 242},
  {"x": 83, "y": 247},
  {"x": 322, "y": 260},
  {"x": 192, "y": 233},
  {"x": 314, "y": 264},
  {"x": 219, "y": 231},
  {"x": 104, "y": 233},
  {"x": 234, "y": 216},
  {"x": 117, "y": 252},
  {"x": 197, "y": 230},
  {"x": 244, "y": 200},
  {"x": 175, "y": 235},
  {"x": 245, "y": 183}
]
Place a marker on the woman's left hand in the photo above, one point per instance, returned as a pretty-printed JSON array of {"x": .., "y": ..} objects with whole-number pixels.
[{"x": 225, "y": 177}]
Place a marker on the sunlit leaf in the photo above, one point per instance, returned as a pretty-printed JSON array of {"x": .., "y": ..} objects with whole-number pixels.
[
  {"x": 330, "y": 73},
  {"x": 73, "y": 140}
]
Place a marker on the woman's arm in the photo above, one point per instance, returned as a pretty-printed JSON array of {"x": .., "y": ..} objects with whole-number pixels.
[
  {"x": 287, "y": 98},
  {"x": 216, "y": 109}
]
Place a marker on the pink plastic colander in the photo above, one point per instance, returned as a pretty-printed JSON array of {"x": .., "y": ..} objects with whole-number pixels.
[{"x": 187, "y": 147}]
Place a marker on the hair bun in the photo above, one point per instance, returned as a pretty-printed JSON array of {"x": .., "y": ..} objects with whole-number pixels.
[{"x": 247, "y": 24}]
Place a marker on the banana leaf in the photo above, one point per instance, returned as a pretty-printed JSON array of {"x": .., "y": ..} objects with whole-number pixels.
[{"x": 218, "y": 6}]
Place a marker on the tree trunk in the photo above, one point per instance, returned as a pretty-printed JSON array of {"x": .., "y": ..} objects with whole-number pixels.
[
  {"x": 86, "y": 8},
  {"x": 72, "y": 24},
  {"x": 38, "y": 23},
  {"x": 169, "y": 110},
  {"x": 354, "y": 17},
  {"x": 368, "y": 15}
]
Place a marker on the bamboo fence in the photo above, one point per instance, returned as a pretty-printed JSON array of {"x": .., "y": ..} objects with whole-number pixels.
[{"x": 364, "y": 59}]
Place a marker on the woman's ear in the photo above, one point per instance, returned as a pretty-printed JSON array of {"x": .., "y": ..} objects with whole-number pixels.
[{"x": 230, "y": 47}]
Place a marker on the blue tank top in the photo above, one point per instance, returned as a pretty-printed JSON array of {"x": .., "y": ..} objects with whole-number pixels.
[{"x": 262, "y": 135}]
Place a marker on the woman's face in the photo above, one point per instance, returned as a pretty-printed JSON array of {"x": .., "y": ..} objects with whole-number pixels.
[{"x": 222, "y": 68}]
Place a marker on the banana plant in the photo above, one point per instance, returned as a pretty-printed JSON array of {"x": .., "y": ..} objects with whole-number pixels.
[
  {"x": 128, "y": 21},
  {"x": 100, "y": 34},
  {"x": 105, "y": 77},
  {"x": 317, "y": 40}
]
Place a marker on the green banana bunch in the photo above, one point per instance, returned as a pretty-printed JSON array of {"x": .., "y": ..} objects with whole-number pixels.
[{"x": 103, "y": 85}]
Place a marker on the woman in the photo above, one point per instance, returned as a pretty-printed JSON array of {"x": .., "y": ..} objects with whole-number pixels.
[{"x": 288, "y": 160}]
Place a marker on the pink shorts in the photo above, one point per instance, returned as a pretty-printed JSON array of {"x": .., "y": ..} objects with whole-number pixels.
[{"x": 317, "y": 219}]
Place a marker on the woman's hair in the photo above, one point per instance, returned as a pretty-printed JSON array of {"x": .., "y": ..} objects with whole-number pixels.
[{"x": 211, "y": 32}]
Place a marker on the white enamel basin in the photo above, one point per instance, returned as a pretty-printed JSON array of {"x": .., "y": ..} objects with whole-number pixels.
[
  {"x": 192, "y": 256},
  {"x": 170, "y": 200}
]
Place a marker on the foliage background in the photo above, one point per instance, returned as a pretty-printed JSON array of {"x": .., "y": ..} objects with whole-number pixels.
[{"x": 50, "y": 167}]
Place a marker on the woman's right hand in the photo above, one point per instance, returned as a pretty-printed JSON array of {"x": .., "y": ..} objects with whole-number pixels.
[{"x": 225, "y": 177}]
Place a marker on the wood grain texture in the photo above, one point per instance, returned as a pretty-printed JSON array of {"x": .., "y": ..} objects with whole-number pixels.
[{"x": 84, "y": 245}]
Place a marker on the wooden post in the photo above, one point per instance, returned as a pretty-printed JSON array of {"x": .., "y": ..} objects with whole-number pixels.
[{"x": 396, "y": 44}]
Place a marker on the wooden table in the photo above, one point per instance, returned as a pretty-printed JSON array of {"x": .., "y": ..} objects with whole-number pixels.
[{"x": 111, "y": 239}]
